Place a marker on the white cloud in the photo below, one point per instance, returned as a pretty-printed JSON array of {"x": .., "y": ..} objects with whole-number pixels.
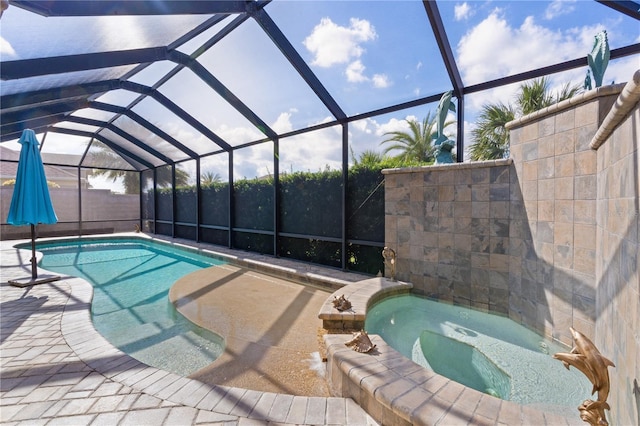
[
  {"x": 333, "y": 44},
  {"x": 394, "y": 125},
  {"x": 6, "y": 49},
  {"x": 512, "y": 49},
  {"x": 237, "y": 135},
  {"x": 621, "y": 70},
  {"x": 380, "y": 81},
  {"x": 355, "y": 72},
  {"x": 558, "y": 8},
  {"x": 462, "y": 11},
  {"x": 283, "y": 123}
]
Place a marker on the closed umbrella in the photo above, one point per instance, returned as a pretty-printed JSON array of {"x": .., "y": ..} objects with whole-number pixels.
[{"x": 31, "y": 203}]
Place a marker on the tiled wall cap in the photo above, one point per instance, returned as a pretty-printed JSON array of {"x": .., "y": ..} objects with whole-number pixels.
[
  {"x": 566, "y": 104},
  {"x": 453, "y": 166},
  {"x": 628, "y": 99}
]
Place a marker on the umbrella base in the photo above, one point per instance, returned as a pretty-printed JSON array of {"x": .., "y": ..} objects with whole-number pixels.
[{"x": 27, "y": 281}]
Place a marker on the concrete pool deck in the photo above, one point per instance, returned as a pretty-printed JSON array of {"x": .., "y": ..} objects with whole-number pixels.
[
  {"x": 270, "y": 327},
  {"x": 57, "y": 369}
]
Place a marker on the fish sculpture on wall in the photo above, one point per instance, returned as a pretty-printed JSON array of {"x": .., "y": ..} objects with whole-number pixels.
[
  {"x": 361, "y": 342},
  {"x": 587, "y": 358},
  {"x": 598, "y": 59}
]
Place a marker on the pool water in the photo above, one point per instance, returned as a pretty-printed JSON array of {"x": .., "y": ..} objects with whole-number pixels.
[
  {"x": 130, "y": 307},
  {"x": 489, "y": 353}
]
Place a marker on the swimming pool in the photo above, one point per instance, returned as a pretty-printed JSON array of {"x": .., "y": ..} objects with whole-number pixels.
[
  {"x": 489, "y": 353},
  {"x": 130, "y": 307}
]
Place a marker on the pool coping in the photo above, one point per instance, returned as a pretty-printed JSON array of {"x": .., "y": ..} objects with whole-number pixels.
[{"x": 393, "y": 389}]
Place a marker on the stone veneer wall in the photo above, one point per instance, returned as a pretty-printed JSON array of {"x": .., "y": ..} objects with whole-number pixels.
[
  {"x": 450, "y": 227},
  {"x": 548, "y": 237},
  {"x": 617, "y": 333}
]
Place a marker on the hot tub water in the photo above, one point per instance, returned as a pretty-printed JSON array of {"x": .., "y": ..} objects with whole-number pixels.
[{"x": 489, "y": 353}]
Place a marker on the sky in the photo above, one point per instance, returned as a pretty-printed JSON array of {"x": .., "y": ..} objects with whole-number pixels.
[{"x": 368, "y": 55}]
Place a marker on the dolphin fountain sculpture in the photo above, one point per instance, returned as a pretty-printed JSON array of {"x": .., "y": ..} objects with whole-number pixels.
[
  {"x": 443, "y": 145},
  {"x": 587, "y": 359},
  {"x": 598, "y": 59}
]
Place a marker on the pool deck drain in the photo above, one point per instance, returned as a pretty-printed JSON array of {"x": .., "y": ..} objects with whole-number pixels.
[{"x": 57, "y": 369}]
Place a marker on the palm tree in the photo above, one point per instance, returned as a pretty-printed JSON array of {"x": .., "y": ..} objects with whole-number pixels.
[
  {"x": 131, "y": 179},
  {"x": 490, "y": 136},
  {"x": 416, "y": 143},
  {"x": 107, "y": 158},
  {"x": 368, "y": 157},
  {"x": 491, "y": 139},
  {"x": 209, "y": 178}
]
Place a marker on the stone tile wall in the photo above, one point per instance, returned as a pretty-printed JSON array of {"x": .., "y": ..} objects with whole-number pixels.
[
  {"x": 450, "y": 226},
  {"x": 556, "y": 171},
  {"x": 617, "y": 333},
  {"x": 549, "y": 237}
]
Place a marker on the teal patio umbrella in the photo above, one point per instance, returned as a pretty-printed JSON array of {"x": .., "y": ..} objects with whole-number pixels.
[{"x": 31, "y": 203}]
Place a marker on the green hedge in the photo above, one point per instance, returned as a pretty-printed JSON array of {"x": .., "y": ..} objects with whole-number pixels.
[{"x": 310, "y": 205}]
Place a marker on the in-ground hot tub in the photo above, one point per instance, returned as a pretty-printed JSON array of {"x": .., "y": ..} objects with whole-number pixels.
[
  {"x": 489, "y": 353},
  {"x": 394, "y": 389}
]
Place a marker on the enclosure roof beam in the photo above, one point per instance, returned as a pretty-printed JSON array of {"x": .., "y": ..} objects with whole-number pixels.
[
  {"x": 440, "y": 34},
  {"x": 128, "y": 7},
  {"x": 222, "y": 90},
  {"x": 24, "y": 68},
  {"x": 38, "y": 111},
  {"x": 74, "y": 132},
  {"x": 119, "y": 132},
  {"x": 171, "y": 106},
  {"x": 14, "y": 130},
  {"x": 56, "y": 94},
  {"x": 551, "y": 69},
  {"x": 282, "y": 43},
  {"x": 144, "y": 123},
  {"x": 628, "y": 7}
]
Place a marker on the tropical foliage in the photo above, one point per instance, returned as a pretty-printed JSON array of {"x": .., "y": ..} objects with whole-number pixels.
[
  {"x": 416, "y": 144},
  {"x": 208, "y": 178},
  {"x": 491, "y": 139},
  {"x": 11, "y": 182},
  {"x": 131, "y": 179}
]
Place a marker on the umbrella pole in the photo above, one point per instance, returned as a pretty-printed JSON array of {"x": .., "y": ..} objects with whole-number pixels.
[{"x": 34, "y": 267}]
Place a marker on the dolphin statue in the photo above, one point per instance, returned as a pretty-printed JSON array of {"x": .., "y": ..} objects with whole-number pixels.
[{"x": 587, "y": 358}]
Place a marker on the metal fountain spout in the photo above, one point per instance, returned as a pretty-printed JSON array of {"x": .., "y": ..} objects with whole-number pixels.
[{"x": 389, "y": 256}]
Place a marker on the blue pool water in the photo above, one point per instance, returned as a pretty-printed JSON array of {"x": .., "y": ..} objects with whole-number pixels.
[
  {"x": 130, "y": 307},
  {"x": 489, "y": 353}
]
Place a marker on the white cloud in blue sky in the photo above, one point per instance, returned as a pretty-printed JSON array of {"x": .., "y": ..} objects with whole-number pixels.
[
  {"x": 462, "y": 11},
  {"x": 559, "y": 7},
  {"x": 332, "y": 44},
  {"x": 335, "y": 45}
]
